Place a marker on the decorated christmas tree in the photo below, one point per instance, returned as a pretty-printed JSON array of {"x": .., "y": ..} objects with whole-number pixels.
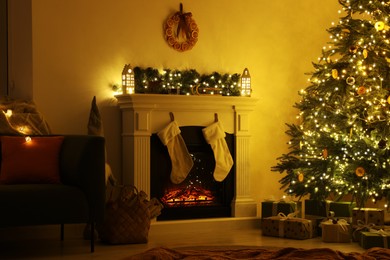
[{"x": 341, "y": 146}]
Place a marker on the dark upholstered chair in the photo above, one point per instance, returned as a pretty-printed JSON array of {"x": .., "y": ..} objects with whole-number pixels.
[{"x": 80, "y": 198}]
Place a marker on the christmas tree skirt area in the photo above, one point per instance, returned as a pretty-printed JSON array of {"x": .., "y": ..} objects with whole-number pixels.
[{"x": 246, "y": 252}]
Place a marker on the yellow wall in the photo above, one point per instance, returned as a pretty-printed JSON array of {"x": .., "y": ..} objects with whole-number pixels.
[{"x": 80, "y": 47}]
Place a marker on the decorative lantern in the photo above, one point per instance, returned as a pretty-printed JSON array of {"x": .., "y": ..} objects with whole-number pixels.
[
  {"x": 246, "y": 83},
  {"x": 128, "y": 84}
]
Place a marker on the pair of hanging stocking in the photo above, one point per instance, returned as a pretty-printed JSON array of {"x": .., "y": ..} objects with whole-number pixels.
[
  {"x": 215, "y": 136},
  {"x": 180, "y": 157}
]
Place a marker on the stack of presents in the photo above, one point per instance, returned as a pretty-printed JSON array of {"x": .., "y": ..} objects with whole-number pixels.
[{"x": 337, "y": 222}]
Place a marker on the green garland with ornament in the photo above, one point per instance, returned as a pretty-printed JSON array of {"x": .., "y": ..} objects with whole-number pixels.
[{"x": 185, "y": 82}]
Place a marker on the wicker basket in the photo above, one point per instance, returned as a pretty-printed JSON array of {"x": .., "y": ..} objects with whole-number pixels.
[{"x": 127, "y": 217}]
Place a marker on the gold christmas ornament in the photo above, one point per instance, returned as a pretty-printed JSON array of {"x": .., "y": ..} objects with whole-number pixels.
[
  {"x": 388, "y": 99},
  {"x": 365, "y": 53},
  {"x": 335, "y": 73},
  {"x": 301, "y": 177},
  {"x": 360, "y": 171},
  {"x": 379, "y": 26},
  {"x": 325, "y": 153},
  {"x": 361, "y": 90}
]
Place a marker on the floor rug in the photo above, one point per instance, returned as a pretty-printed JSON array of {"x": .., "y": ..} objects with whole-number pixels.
[{"x": 287, "y": 253}]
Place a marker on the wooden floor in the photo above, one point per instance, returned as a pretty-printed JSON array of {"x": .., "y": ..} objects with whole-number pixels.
[{"x": 44, "y": 243}]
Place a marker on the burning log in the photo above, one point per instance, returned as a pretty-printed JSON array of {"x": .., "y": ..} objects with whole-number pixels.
[{"x": 193, "y": 195}]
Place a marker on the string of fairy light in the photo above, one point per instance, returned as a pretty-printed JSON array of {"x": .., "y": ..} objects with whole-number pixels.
[
  {"x": 184, "y": 82},
  {"x": 357, "y": 75}
]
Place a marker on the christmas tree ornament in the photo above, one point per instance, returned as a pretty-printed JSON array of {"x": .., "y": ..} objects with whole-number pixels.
[
  {"x": 350, "y": 81},
  {"x": 360, "y": 171},
  {"x": 345, "y": 31},
  {"x": 215, "y": 136},
  {"x": 365, "y": 53},
  {"x": 180, "y": 158},
  {"x": 361, "y": 90},
  {"x": 335, "y": 73},
  {"x": 379, "y": 26},
  {"x": 353, "y": 49},
  {"x": 301, "y": 177},
  {"x": 388, "y": 99},
  {"x": 325, "y": 153}
]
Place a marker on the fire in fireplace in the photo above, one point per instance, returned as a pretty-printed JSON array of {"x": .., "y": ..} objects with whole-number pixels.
[{"x": 199, "y": 195}]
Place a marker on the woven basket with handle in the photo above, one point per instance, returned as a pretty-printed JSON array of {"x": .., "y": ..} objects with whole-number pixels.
[{"x": 127, "y": 217}]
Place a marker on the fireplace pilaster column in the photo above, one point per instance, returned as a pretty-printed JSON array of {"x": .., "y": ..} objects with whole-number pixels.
[
  {"x": 136, "y": 132},
  {"x": 243, "y": 205}
]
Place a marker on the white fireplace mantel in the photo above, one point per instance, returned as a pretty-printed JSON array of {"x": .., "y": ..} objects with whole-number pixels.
[{"x": 145, "y": 114}]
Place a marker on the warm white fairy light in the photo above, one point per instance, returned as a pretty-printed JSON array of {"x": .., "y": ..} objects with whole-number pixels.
[{"x": 8, "y": 113}]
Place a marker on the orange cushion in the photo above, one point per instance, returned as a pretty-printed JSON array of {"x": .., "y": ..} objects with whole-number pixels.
[{"x": 34, "y": 161}]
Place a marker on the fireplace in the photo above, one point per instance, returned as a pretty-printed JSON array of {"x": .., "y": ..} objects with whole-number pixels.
[
  {"x": 143, "y": 115},
  {"x": 199, "y": 195}
]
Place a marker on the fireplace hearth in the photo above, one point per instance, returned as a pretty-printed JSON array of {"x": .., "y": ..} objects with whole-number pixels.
[
  {"x": 146, "y": 114},
  {"x": 199, "y": 195}
]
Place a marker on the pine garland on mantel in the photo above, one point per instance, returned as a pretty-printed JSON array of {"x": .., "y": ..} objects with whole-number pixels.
[{"x": 185, "y": 82}]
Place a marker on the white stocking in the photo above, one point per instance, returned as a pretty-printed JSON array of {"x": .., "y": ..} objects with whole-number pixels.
[
  {"x": 215, "y": 136},
  {"x": 177, "y": 149}
]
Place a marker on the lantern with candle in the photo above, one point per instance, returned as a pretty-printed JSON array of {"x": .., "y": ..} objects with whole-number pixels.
[
  {"x": 246, "y": 83},
  {"x": 128, "y": 83}
]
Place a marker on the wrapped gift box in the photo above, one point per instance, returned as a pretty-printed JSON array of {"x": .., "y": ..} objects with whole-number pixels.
[
  {"x": 273, "y": 208},
  {"x": 338, "y": 232},
  {"x": 315, "y": 208},
  {"x": 316, "y": 223},
  {"x": 342, "y": 209},
  {"x": 375, "y": 239},
  {"x": 368, "y": 216},
  {"x": 361, "y": 227},
  {"x": 296, "y": 228},
  {"x": 322, "y": 208}
]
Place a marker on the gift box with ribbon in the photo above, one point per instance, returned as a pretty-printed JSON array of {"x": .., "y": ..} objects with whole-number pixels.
[
  {"x": 375, "y": 238},
  {"x": 362, "y": 227},
  {"x": 336, "y": 231},
  {"x": 316, "y": 223},
  {"x": 273, "y": 208},
  {"x": 317, "y": 211},
  {"x": 373, "y": 216},
  {"x": 287, "y": 227},
  {"x": 323, "y": 208}
]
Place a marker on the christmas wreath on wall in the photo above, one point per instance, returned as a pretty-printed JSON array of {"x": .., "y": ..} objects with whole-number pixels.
[{"x": 181, "y": 31}]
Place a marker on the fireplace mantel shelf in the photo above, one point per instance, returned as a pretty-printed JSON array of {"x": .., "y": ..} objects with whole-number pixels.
[
  {"x": 145, "y": 114},
  {"x": 199, "y": 102}
]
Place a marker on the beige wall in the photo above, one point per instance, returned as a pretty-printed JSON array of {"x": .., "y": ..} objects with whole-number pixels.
[{"x": 80, "y": 47}]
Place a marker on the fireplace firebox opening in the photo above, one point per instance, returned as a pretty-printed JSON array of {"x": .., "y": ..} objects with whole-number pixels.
[{"x": 199, "y": 195}]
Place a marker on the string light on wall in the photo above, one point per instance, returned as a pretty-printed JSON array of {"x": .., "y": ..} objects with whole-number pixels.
[
  {"x": 246, "y": 83},
  {"x": 128, "y": 82}
]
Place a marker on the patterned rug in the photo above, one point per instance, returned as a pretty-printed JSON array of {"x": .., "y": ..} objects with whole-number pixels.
[{"x": 229, "y": 253}]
